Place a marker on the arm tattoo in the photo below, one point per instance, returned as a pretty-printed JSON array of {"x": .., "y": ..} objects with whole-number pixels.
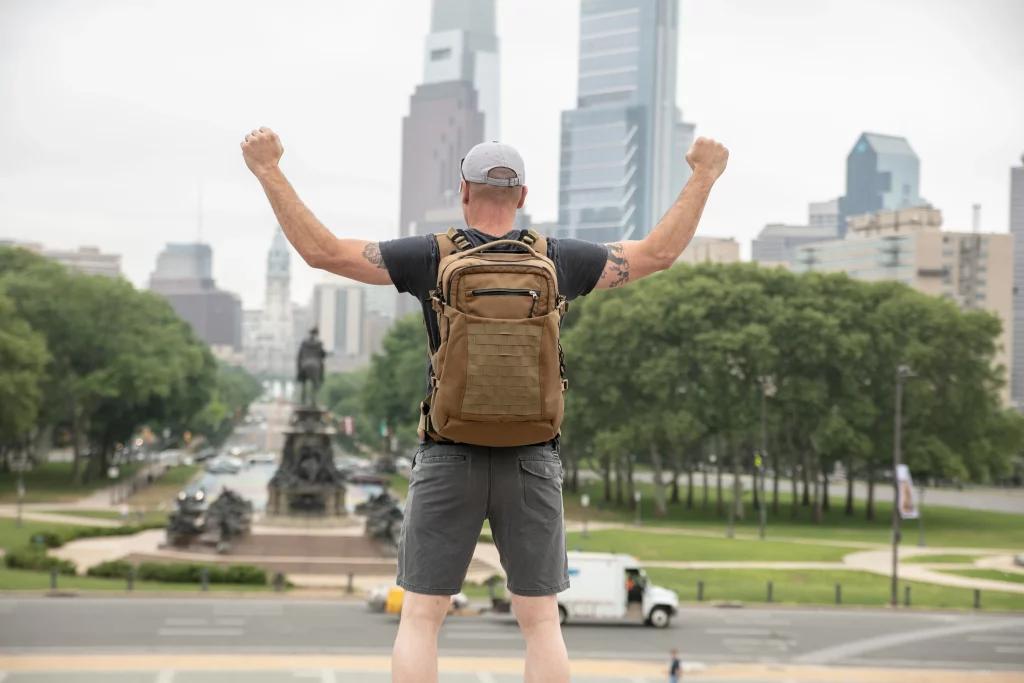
[
  {"x": 618, "y": 266},
  {"x": 372, "y": 254}
]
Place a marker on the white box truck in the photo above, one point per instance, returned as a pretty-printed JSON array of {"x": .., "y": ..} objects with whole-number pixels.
[{"x": 610, "y": 586}]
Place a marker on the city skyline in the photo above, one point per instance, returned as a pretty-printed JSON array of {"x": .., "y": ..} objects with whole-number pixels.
[{"x": 161, "y": 123}]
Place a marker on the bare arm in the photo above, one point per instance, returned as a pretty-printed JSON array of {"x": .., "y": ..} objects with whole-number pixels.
[
  {"x": 356, "y": 259},
  {"x": 633, "y": 260}
]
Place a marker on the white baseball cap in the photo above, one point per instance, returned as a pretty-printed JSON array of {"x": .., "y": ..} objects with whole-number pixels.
[{"x": 486, "y": 157}]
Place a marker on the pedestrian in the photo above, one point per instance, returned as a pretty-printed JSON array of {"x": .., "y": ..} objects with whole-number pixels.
[
  {"x": 675, "y": 669},
  {"x": 492, "y": 298}
]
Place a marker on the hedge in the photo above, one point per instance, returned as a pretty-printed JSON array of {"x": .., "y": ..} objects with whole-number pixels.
[
  {"x": 193, "y": 573},
  {"x": 113, "y": 569},
  {"x": 55, "y": 539},
  {"x": 37, "y": 559}
]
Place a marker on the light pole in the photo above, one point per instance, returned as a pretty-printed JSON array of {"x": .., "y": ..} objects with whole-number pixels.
[
  {"x": 21, "y": 488},
  {"x": 636, "y": 499},
  {"x": 920, "y": 517},
  {"x": 585, "y": 502},
  {"x": 763, "y": 455},
  {"x": 903, "y": 372}
]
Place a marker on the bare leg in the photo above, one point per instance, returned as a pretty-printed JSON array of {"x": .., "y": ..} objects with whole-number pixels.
[
  {"x": 414, "y": 658},
  {"x": 546, "y": 658}
]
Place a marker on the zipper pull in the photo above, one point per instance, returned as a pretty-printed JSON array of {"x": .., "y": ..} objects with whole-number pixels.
[{"x": 536, "y": 295}]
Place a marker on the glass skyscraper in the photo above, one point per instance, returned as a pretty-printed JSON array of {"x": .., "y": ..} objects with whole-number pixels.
[
  {"x": 620, "y": 163},
  {"x": 882, "y": 174}
]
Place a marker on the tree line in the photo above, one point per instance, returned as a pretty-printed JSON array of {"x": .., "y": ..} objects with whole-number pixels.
[
  {"x": 95, "y": 359},
  {"x": 683, "y": 371}
]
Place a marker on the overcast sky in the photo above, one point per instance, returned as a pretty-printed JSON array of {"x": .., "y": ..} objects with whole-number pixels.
[{"x": 112, "y": 112}]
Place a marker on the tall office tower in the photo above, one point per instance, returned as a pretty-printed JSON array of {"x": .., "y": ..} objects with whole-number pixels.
[
  {"x": 182, "y": 261},
  {"x": 455, "y": 108},
  {"x": 619, "y": 160},
  {"x": 184, "y": 277},
  {"x": 1017, "y": 230},
  {"x": 882, "y": 174}
]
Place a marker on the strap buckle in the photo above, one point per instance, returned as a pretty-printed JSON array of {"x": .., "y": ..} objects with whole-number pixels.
[{"x": 565, "y": 385}]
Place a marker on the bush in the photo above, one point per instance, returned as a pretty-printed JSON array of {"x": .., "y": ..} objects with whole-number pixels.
[
  {"x": 193, "y": 573},
  {"x": 36, "y": 559},
  {"x": 76, "y": 533},
  {"x": 114, "y": 569}
]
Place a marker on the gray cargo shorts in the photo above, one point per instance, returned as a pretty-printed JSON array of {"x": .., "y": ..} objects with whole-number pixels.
[{"x": 453, "y": 488}]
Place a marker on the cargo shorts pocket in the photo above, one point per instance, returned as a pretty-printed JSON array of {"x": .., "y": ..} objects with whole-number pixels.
[{"x": 542, "y": 486}]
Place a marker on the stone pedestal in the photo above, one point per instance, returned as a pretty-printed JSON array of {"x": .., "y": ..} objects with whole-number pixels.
[{"x": 307, "y": 484}]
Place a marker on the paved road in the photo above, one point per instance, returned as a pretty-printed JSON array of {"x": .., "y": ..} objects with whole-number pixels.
[
  {"x": 994, "y": 500},
  {"x": 112, "y": 626}
]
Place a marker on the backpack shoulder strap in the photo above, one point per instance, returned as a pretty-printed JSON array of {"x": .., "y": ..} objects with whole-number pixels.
[
  {"x": 450, "y": 242},
  {"x": 532, "y": 239}
]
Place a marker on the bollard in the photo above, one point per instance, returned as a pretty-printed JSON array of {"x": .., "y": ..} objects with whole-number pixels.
[
  {"x": 131, "y": 578},
  {"x": 278, "y": 582},
  {"x": 53, "y": 578},
  {"x": 700, "y": 591},
  {"x": 906, "y": 596},
  {"x": 206, "y": 579},
  {"x": 348, "y": 587},
  {"x": 839, "y": 593},
  {"x": 770, "y": 591},
  {"x": 977, "y": 598}
]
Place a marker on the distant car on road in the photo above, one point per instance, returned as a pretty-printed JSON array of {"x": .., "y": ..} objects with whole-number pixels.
[
  {"x": 262, "y": 458},
  {"x": 224, "y": 464},
  {"x": 198, "y": 493},
  {"x": 206, "y": 454}
]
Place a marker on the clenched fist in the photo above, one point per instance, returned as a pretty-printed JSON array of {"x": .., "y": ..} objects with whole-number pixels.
[
  {"x": 262, "y": 150},
  {"x": 708, "y": 156}
]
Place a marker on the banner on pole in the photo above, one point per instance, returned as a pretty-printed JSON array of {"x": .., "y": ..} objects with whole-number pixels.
[{"x": 907, "y": 498}]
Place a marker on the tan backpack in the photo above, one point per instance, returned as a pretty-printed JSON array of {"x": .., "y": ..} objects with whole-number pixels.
[{"x": 498, "y": 375}]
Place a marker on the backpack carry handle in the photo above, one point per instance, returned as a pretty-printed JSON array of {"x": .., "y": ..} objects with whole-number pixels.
[{"x": 484, "y": 247}]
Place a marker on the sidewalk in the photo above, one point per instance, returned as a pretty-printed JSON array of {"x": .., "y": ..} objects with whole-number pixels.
[
  {"x": 880, "y": 562},
  {"x": 613, "y": 671}
]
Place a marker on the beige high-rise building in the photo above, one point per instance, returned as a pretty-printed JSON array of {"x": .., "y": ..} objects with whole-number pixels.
[
  {"x": 710, "y": 250},
  {"x": 909, "y": 245}
]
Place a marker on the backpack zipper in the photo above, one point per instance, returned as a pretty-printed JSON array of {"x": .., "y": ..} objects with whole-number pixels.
[{"x": 510, "y": 292}]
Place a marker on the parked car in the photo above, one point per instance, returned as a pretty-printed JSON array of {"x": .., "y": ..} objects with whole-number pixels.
[
  {"x": 262, "y": 458},
  {"x": 224, "y": 464}
]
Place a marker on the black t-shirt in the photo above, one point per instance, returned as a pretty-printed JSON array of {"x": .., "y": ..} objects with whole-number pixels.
[{"x": 412, "y": 264}]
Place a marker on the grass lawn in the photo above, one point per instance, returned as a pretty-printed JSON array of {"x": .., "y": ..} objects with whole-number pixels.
[
  {"x": 51, "y": 482},
  {"x": 15, "y": 537},
  {"x": 148, "y": 517},
  {"x": 681, "y": 548},
  {"x": 948, "y": 527},
  {"x": 940, "y": 559},
  {"x": 399, "y": 485},
  {"x": 165, "y": 489},
  {"x": 818, "y": 588},
  {"x": 20, "y": 580},
  {"x": 991, "y": 574}
]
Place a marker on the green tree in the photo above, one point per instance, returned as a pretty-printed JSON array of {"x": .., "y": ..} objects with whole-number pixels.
[
  {"x": 23, "y": 359},
  {"x": 396, "y": 381}
]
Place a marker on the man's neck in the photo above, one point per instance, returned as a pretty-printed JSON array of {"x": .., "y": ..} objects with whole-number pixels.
[{"x": 493, "y": 229}]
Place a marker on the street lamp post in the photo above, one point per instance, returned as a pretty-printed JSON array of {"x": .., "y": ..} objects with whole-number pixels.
[
  {"x": 21, "y": 489},
  {"x": 920, "y": 518},
  {"x": 585, "y": 502},
  {"x": 903, "y": 372},
  {"x": 762, "y": 456},
  {"x": 636, "y": 499}
]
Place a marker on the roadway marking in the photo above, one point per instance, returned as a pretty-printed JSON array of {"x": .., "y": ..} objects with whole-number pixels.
[
  {"x": 1002, "y": 640},
  {"x": 485, "y": 677},
  {"x": 738, "y": 632},
  {"x": 204, "y": 632},
  {"x": 829, "y": 655},
  {"x": 327, "y": 676},
  {"x": 165, "y": 676}
]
